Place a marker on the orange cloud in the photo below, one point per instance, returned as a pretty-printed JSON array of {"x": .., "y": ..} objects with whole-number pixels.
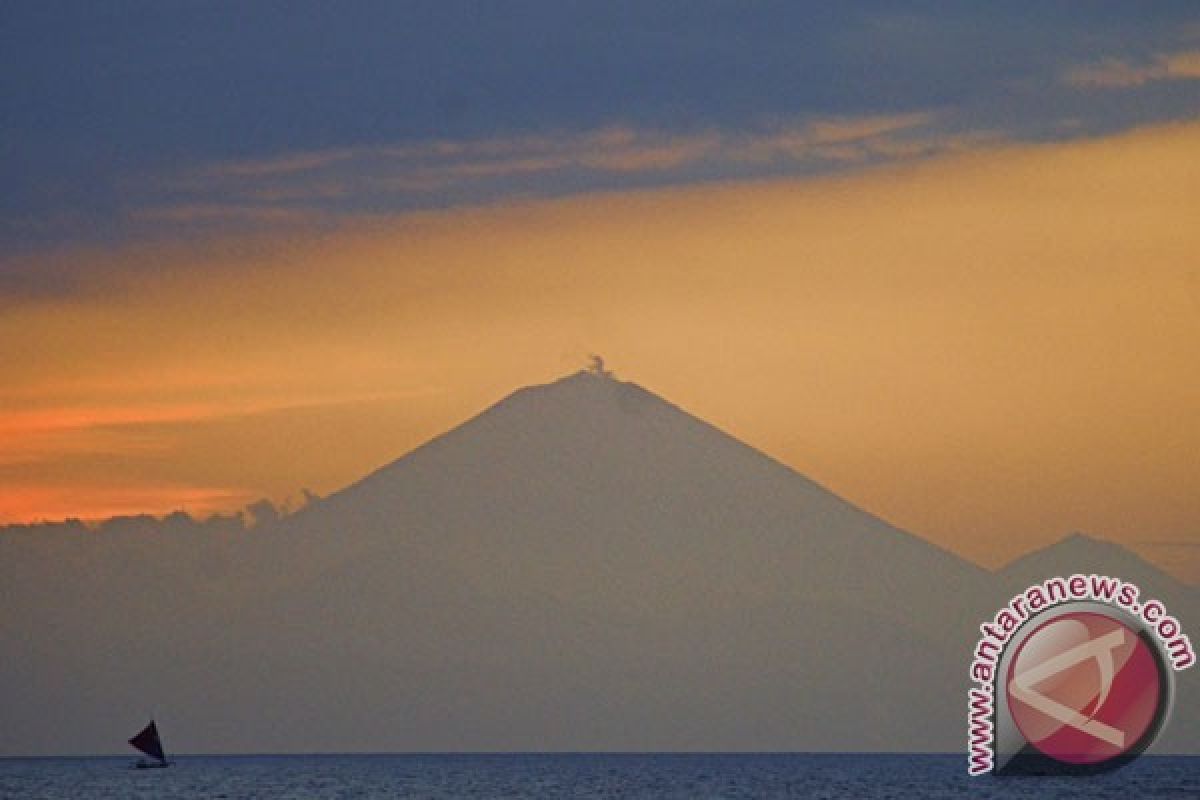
[
  {"x": 58, "y": 419},
  {"x": 34, "y": 434}
]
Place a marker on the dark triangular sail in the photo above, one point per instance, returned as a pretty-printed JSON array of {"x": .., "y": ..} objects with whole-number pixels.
[{"x": 148, "y": 742}]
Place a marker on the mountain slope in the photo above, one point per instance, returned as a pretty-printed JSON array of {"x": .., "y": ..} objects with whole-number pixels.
[
  {"x": 589, "y": 528},
  {"x": 596, "y": 468}
]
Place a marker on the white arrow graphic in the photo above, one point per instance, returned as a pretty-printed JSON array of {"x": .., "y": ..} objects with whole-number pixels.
[{"x": 1021, "y": 686}]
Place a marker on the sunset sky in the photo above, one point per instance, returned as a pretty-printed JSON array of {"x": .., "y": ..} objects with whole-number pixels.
[{"x": 944, "y": 260}]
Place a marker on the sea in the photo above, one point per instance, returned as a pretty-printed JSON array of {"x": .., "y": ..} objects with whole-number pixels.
[{"x": 683, "y": 776}]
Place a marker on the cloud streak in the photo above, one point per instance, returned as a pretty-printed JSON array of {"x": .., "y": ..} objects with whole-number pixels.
[
  {"x": 38, "y": 435},
  {"x": 298, "y": 188},
  {"x": 1117, "y": 73},
  {"x": 622, "y": 149}
]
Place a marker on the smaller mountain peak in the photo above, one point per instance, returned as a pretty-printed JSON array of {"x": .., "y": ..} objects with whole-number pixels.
[
  {"x": 1078, "y": 544},
  {"x": 1082, "y": 542},
  {"x": 1080, "y": 552}
]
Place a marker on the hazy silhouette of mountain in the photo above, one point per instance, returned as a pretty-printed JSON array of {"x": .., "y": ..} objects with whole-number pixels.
[
  {"x": 581, "y": 566},
  {"x": 1080, "y": 553}
]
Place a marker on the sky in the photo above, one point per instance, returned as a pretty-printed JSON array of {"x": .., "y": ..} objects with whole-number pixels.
[{"x": 939, "y": 257}]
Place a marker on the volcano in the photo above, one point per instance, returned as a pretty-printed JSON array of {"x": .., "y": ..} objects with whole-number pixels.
[{"x": 582, "y": 566}]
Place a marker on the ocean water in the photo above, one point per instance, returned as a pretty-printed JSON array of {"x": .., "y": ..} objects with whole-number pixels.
[{"x": 681, "y": 776}]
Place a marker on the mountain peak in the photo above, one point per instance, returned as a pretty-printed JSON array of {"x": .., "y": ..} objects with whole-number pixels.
[
  {"x": 586, "y": 390},
  {"x": 592, "y": 457},
  {"x": 1079, "y": 540},
  {"x": 1080, "y": 552},
  {"x": 1076, "y": 545},
  {"x": 584, "y": 377}
]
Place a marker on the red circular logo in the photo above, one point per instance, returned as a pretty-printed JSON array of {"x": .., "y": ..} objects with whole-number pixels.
[{"x": 1084, "y": 688}]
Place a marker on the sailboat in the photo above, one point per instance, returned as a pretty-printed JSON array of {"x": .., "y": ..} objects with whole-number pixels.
[{"x": 149, "y": 743}]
